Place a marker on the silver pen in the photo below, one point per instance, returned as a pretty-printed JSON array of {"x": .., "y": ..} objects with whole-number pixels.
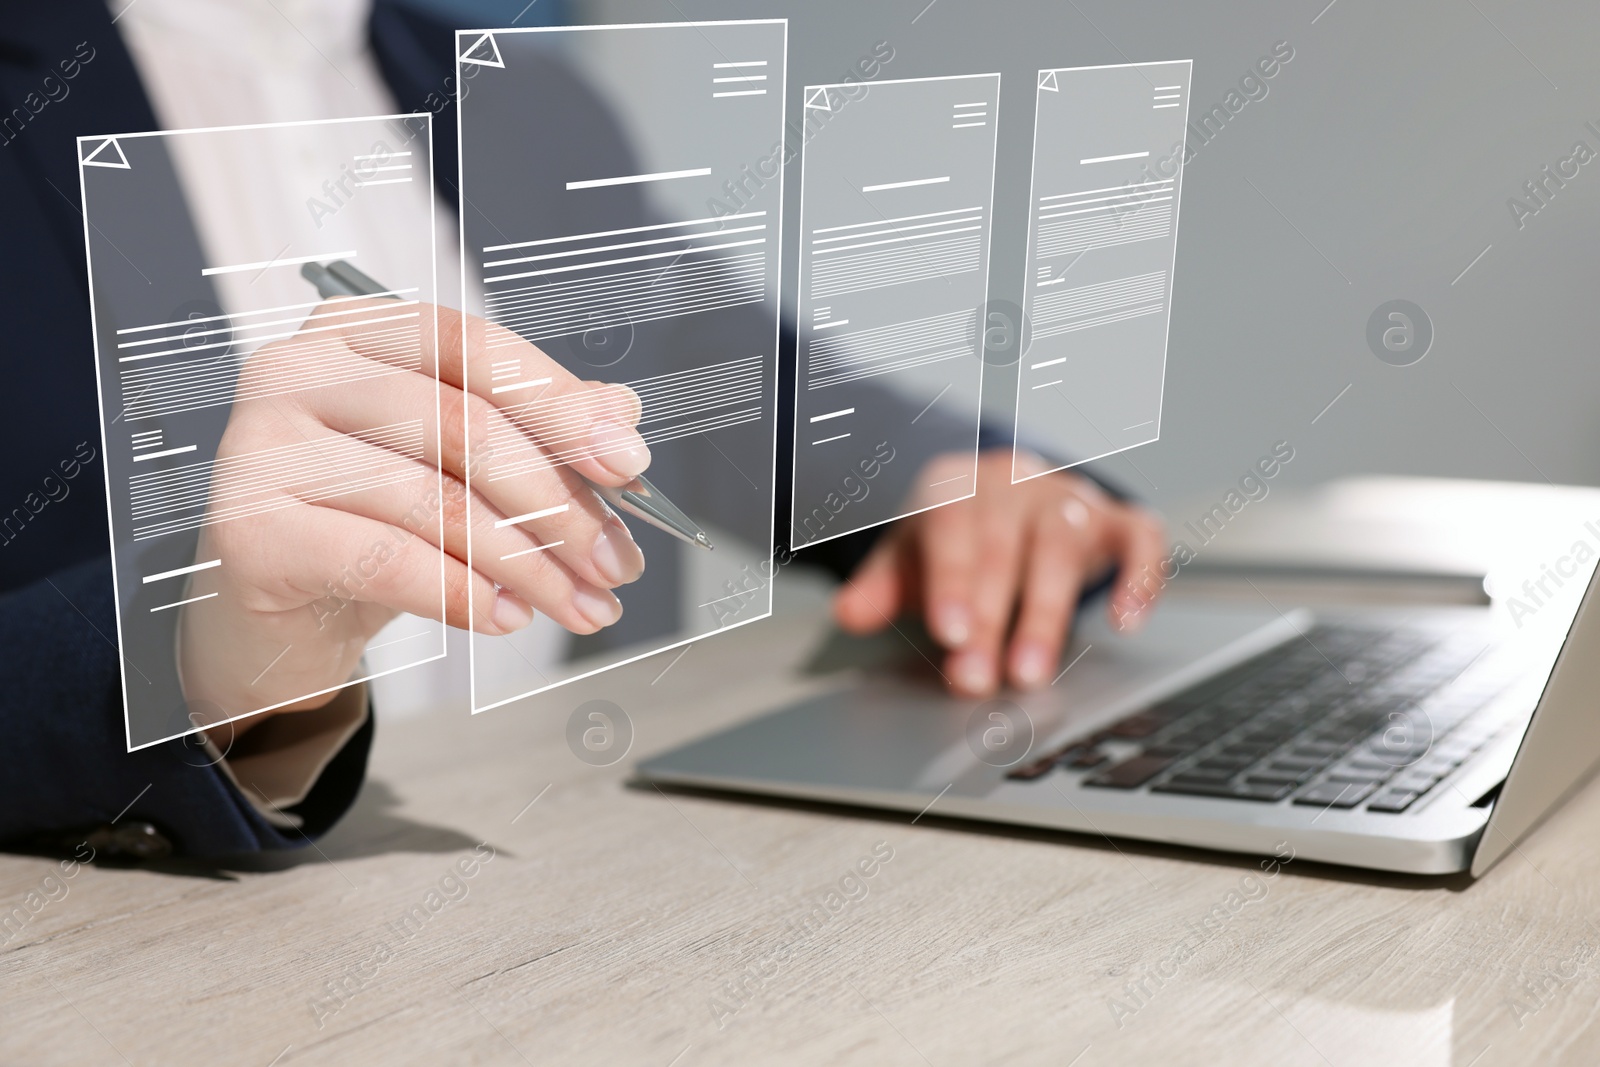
[{"x": 638, "y": 498}]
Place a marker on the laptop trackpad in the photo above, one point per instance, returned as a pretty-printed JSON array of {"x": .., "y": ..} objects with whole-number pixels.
[{"x": 894, "y": 733}]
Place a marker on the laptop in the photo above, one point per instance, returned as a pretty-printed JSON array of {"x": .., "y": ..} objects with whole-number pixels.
[{"x": 1420, "y": 740}]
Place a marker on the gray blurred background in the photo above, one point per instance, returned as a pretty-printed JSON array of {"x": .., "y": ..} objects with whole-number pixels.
[{"x": 1377, "y": 166}]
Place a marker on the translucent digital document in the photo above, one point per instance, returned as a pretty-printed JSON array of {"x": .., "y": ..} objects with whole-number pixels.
[
  {"x": 621, "y": 191},
  {"x": 1108, "y": 152},
  {"x": 267, "y": 456},
  {"x": 897, "y": 193}
]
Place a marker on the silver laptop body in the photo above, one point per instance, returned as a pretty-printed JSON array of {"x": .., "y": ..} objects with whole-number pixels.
[{"x": 1478, "y": 730}]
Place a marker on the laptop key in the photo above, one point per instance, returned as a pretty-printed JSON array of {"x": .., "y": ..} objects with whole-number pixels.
[
  {"x": 1317, "y": 749},
  {"x": 1335, "y": 794},
  {"x": 1130, "y": 773},
  {"x": 1260, "y": 791},
  {"x": 1415, "y": 781},
  {"x": 1202, "y": 773},
  {"x": 1226, "y": 762},
  {"x": 1393, "y": 801},
  {"x": 1275, "y": 776},
  {"x": 1344, "y": 736},
  {"x": 1136, "y": 726},
  {"x": 1038, "y": 768},
  {"x": 1359, "y": 774},
  {"x": 1434, "y": 766}
]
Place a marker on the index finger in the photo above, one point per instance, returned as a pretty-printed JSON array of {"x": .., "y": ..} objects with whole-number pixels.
[
  {"x": 590, "y": 426},
  {"x": 1139, "y": 539}
]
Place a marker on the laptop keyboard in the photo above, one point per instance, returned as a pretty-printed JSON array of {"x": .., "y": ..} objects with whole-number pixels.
[{"x": 1347, "y": 717}]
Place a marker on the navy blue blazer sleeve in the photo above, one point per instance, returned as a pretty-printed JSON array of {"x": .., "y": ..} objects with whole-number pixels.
[
  {"x": 61, "y": 725},
  {"x": 64, "y": 764}
]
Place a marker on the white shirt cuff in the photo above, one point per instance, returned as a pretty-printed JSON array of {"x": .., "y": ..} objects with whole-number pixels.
[{"x": 277, "y": 763}]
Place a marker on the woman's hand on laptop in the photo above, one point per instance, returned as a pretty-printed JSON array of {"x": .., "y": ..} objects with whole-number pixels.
[{"x": 1020, "y": 552}]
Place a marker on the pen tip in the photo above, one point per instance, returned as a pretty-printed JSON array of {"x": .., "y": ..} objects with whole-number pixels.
[{"x": 703, "y": 541}]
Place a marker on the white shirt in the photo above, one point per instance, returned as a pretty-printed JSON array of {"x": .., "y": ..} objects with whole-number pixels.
[{"x": 208, "y": 63}]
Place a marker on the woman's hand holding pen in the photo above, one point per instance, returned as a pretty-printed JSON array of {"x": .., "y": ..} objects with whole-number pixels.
[{"x": 351, "y": 527}]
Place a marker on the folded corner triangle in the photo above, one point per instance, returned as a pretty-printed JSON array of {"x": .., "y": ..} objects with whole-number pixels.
[
  {"x": 107, "y": 153},
  {"x": 484, "y": 52}
]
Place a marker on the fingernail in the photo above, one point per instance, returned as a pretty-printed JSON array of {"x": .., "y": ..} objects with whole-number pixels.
[
  {"x": 511, "y": 613},
  {"x": 952, "y": 624},
  {"x": 598, "y": 606},
  {"x": 615, "y": 554},
  {"x": 1030, "y": 664},
  {"x": 619, "y": 449},
  {"x": 973, "y": 672}
]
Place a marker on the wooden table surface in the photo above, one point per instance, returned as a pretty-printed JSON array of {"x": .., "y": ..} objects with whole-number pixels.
[{"x": 609, "y": 924}]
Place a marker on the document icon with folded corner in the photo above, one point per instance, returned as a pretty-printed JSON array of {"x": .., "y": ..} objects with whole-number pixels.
[
  {"x": 897, "y": 193},
  {"x": 622, "y": 195},
  {"x": 257, "y": 440},
  {"x": 1103, "y": 225}
]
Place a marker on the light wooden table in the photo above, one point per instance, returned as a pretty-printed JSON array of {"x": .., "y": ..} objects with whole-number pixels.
[{"x": 612, "y": 922}]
